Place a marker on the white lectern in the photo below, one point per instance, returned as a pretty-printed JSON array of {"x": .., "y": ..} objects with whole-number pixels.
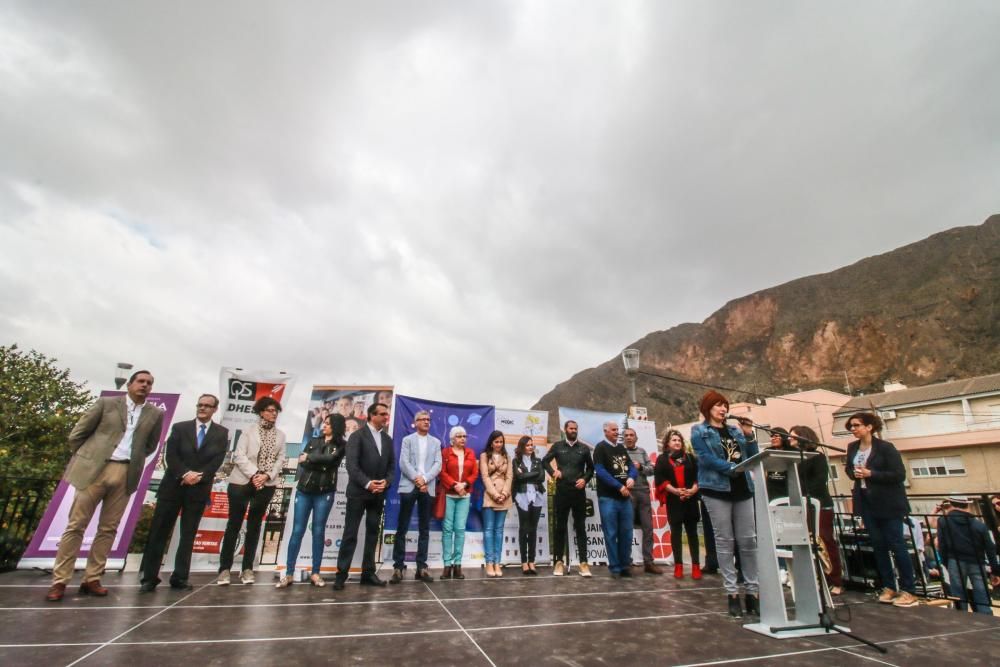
[{"x": 784, "y": 526}]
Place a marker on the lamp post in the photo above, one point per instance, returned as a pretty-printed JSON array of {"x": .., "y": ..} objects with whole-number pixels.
[
  {"x": 630, "y": 358},
  {"x": 122, "y": 373}
]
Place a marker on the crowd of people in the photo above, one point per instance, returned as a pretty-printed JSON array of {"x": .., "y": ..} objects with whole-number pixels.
[{"x": 702, "y": 483}]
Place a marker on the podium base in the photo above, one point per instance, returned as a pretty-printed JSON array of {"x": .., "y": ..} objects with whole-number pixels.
[{"x": 791, "y": 631}]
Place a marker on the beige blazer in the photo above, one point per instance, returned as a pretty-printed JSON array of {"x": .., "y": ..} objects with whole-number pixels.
[
  {"x": 245, "y": 458},
  {"x": 496, "y": 478},
  {"x": 99, "y": 431}
]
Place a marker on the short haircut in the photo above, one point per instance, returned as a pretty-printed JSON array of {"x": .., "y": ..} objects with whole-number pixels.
[
  {"x": 264, "y": 403},
  {"x": 212, "y": 396},
  {"x": 455, "y": 430},
  {"x": 373, "y": 408},
  {"x": 629, "y": 428},
  {"x": 710, "y": 400},
  {"x": 131, "y": 378},
  {"x": 610, "y": 423},
  {"x": 568, "y": 422},
  {"x": 422, "y": 413}
]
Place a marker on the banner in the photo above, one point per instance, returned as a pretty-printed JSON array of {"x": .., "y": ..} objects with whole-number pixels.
[
  {"x": 41, "y": 552},
  {"x": 478, "y": 421},
  {"x": 514, "y": 424},
  {"x": 239, "y": 390},
  {"x": 591, "y": 431},
  {"x": 352, "y": 402}
]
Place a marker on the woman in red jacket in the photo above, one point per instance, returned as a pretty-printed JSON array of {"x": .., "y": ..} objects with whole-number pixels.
[{"x": 458, "y": 473}]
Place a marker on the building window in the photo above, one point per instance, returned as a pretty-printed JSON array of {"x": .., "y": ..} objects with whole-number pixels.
[
  {"x": 834, "y": 473},
  {"x": 945, "y": 466}
]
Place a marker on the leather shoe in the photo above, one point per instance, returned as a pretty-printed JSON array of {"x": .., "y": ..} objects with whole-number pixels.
[
  {"x": 424, "y": 575},
  {"x": 93, "y": 588},
  {"x": 372, "y": 580},
  {"x": 652, "y": 568},
  {"x": 627, "y": 572},
  {"x": 338, "y": 584},
  {"x": 56, "y": 592},
  {"x": 181, "y": 585},
  {"x": 397, "y": 576},
  {"x": 148, "y": 586}
]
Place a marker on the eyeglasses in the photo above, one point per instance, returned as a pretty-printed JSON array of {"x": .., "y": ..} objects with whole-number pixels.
[
  {"x": 207, "y": 406},
  {"x": 424, "y": 419}
]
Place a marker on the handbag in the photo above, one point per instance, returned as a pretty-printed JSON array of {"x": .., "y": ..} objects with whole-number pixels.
[{"x": 439, "y": 502}]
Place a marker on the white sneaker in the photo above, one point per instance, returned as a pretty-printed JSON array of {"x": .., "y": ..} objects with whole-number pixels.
[
  {"x": 224, "y": 578},
  {"x": 584, "y": 570},
  {"x": 247, "y": 577}
]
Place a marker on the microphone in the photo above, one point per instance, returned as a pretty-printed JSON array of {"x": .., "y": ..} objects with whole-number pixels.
[{"x": 737, "y": 418}]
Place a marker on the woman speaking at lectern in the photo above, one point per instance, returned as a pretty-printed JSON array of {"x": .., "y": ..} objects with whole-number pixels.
[{"x": 728, "y": 495}]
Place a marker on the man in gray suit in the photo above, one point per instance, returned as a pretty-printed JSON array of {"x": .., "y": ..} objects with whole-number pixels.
[
  {"x": 419, "y": 465},
  {"x": 110, "y": 444}
]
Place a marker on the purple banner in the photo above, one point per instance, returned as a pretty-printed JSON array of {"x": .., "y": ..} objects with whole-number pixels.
[
  {"x": 45, "y": 542},
  {"x": 477, "y": 420}
]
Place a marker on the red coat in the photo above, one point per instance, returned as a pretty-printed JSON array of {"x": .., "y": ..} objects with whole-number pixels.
[{"x": 449, "y": 469}]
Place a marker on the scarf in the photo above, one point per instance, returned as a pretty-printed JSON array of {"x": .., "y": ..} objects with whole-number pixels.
[{"x": 268, "y": 453}]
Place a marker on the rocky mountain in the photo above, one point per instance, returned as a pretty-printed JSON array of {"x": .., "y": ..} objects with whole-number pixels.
[{"x": 920, "y": 314}]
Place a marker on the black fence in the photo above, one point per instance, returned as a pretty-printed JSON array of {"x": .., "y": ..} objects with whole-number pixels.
[
  {"x": 920, "y": 532},
  {"x": 22, "y": 502}
]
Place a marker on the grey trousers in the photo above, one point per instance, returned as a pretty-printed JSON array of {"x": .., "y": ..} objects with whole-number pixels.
[
  {"x": 642, "y": 506},
  {"x": 734, "y": 523}
]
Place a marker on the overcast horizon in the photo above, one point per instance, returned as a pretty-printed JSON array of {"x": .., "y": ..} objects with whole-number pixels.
[{"x": 471, "y": 201}]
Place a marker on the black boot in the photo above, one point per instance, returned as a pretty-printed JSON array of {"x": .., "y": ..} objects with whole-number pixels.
[
  {"x": 752, "y": 604},
  {"x": 447, "y": 572},
  {"x": 735, "y": 608},
  {"x": 457, "y": 573}
]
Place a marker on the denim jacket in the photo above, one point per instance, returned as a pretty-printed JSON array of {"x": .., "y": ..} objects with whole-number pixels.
[{"x": 714, "y": 470}]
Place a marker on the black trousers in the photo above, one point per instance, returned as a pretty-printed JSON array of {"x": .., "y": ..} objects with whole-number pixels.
[
  {"x": 569, "y": 500},
  {"x": 527, "y": 532},
  {"x": 190, "y": 506},
  {"x": 241, "y": 497},
  {"x": 688, "y": 521},
  {"x": 371, "y": 510}
]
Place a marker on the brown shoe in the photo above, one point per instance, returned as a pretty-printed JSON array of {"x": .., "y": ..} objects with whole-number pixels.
[
  {"x": 652, "y": 568},
  {"x": 56, "y": 592},
  {"x": 93, "y": 587},
  {"x": 906, "y": 599},
  {"x": 887, "y": 596}
]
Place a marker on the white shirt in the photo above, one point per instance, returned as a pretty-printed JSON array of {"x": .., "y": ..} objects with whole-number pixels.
[
  {"x": 859, "y": 461},
  {"x": 422, "y": 443},
  {"x": 123, "y": 451}
]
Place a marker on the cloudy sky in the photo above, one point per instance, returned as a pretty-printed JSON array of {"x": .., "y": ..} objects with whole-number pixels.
[{"x": 469, "y": 200}]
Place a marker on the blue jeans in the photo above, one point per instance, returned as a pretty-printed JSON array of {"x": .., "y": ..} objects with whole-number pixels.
[
  {"x": 493, "y": 521},
  {"x": 319, "y": 505},
  {"x": 616, "y": 522},
  {"x": 456, "y": 513},
  {"x": 887, "y": 537},
  {"x": 406, "y": 502},
  {"x": 958, "y": 572}
]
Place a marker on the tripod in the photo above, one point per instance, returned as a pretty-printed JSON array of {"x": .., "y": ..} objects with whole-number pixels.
[{"x": 825, "y": 620}]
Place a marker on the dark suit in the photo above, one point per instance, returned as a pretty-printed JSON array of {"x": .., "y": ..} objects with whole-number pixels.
[
  {"x": 182, "y": 456},
  {"x": 366, "y": 461}
]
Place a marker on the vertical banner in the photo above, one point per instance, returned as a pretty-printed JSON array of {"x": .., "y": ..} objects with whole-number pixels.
[
  {"x": 239, "y": 390},
  {"x": 514, "y": 424},
  {"x": 352, "y": 402},
  {"x": 41, "y": 552},
  {"x": 478, "y": 421}
]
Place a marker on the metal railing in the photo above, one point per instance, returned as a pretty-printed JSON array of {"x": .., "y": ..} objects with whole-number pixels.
[
  {"x": 931, "y": 575},
  {"x": 22, "y": 502}
]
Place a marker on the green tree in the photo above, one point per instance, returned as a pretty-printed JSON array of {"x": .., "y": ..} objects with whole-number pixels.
[{"x": 39, "y": 405}]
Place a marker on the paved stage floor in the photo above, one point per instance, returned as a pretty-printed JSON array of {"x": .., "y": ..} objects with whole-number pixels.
[{"x": 514, "y": 620}]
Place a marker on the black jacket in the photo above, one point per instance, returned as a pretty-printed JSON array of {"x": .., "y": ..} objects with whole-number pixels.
[
  {"x": 964, "y": 537},
  {"x": 183, "y": 456},
  {"x": 885, "y": 497},
  {"x": 318, "y": 473},
  {"x": 663, "y": 471},
  {"x": 367, "y": 461},
  {"x": 523, "y": 477},
  {"x": 574, "y": 462}
]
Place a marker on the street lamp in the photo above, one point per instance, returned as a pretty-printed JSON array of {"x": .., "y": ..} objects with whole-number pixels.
[
  {"x": 122, "y": 373},
  {"x": 630, "y": 358}
]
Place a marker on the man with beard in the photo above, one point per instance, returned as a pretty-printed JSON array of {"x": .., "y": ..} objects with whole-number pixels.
[{"x": 570, "y": 463}]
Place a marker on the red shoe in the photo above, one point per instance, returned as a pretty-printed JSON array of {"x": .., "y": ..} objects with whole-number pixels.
[
  {"x": 679, "y": 571},
  {"x": 696, "y": 571}
]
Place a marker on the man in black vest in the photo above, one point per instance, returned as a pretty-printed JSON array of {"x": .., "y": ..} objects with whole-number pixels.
[
  {"x": 195, "y": 450},
  {"x": 371, "y": 463}
]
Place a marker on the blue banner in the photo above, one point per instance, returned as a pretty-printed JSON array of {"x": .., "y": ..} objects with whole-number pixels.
[{"x": 477, "y": 420}]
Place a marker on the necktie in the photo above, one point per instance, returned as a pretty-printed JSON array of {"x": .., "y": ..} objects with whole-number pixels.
[{"x": 201, "y": 435}]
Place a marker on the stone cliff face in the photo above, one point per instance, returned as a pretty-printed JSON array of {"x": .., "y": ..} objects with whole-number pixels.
[{"x": 920, "y": 314}]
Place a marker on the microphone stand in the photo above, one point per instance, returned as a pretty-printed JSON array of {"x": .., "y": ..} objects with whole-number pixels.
[{"x": 825, "y": 621}]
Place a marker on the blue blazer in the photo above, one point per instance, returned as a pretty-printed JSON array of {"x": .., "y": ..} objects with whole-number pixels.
[{"x": 410, "y": 467}]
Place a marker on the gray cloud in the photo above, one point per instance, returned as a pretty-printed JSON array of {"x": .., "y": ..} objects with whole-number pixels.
[{"x": 469, "y": 200}]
